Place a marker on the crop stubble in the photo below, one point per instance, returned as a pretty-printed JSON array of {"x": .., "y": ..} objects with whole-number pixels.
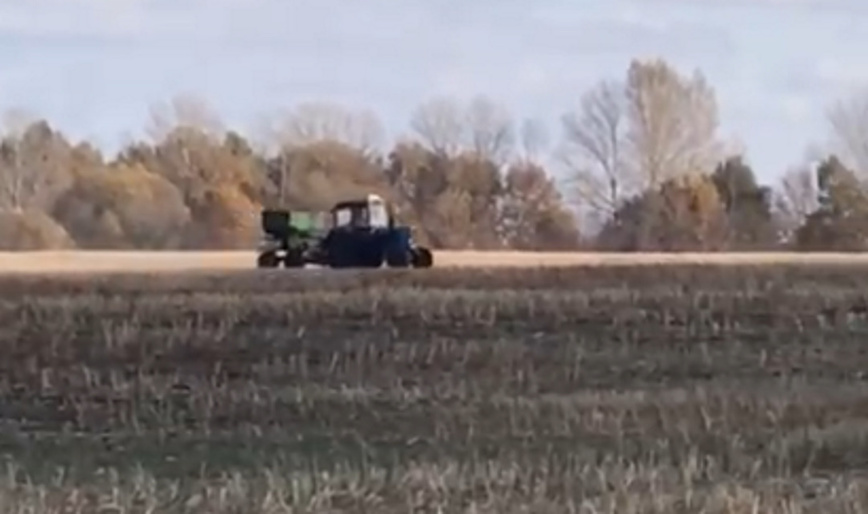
[{"x": 631, "y": 389}]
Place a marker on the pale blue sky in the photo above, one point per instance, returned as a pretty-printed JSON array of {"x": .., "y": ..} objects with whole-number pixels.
[{"x": 93, "y": 67}]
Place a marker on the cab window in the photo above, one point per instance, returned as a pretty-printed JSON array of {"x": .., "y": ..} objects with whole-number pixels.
[
  {"x": 343, "y": 217},
  {"x": 379, "y": 215}
]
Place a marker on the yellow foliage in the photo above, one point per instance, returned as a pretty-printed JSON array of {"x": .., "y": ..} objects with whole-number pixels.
[
  {"x": 125, "y": 204},
  {"x": 32, "y": 230},
  {"x": 451, "y": 222},
  {"x": 693, "y": 212},
  {"x": 230, "y": 217}
]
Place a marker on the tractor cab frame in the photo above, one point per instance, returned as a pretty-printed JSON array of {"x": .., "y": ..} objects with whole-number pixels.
[{"x": 372, "y": 213}]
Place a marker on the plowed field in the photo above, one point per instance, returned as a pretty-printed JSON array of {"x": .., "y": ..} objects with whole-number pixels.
[{"x": 652, "y": 389}]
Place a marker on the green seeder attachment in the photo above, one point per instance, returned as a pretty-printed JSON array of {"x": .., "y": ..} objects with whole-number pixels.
[{"x": 283, "y": 224}]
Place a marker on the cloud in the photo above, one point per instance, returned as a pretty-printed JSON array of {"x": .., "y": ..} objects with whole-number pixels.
[{"x": 96, "y": 65}]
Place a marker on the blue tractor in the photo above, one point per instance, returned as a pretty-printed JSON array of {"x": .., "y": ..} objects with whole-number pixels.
[{"x": 362, "y": 234}]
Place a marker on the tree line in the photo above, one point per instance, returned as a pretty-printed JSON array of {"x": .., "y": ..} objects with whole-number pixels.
[{"x": 641, "y": 166}]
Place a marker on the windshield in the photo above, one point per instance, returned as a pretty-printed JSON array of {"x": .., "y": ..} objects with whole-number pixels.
[
  {"x": 379, "y": 215},
  {"x": 343, "y": 217}
]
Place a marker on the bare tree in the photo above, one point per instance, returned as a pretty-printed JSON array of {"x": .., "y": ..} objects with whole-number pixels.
[
  {"x": 315, "y": 122},
  {"x": 32, "y": 164},
  {"x": 673, "y": 123},
  {"x": 185, "y": 111},
  {"x": 492, "y": 133},
  {"x": 796, "y": 198},
  {"x": 848, "y": 120},
  {"x": 593, "y": 149},
  {"x": 15, "y": 182},
  {"x": 440, "y": 123}
]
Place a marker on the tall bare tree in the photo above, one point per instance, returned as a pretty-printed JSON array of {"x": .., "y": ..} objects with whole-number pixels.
[
  {"x": 796, "y": 198},
  {"x": 848, "y": 121},
  {"x": 184, "y": 112},
  {"x": 33, "y": 160},
  {"x": 491, "y": 130},
  {"x": 440, "y": 123},
  {"x": 318, "y": 122},
  {"x": 16, "y": 184},
  {"x": 593, "y": 149}
]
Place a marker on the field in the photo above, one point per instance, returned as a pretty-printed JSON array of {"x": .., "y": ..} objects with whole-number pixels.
[
  {"x": 115, "y": 261},
  {"x": 637, "y": 388}
]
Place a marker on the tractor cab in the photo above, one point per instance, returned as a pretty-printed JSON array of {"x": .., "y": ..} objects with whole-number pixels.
[{"x": 370, "y": 213}]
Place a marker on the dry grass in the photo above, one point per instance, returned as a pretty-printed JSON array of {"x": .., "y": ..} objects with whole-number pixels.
[
  {"x": 726, "y": 390},
  {"x": 120, "y": 261}
]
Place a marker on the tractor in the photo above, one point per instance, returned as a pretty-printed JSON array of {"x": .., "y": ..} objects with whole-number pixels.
[{"x": 362, "y": 234}]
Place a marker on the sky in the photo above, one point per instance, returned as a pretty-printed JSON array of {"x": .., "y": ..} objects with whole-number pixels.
[{"x": 94, "y": 68}]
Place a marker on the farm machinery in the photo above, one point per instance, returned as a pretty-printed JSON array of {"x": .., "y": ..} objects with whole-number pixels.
[{"x": 359, "y": 233}]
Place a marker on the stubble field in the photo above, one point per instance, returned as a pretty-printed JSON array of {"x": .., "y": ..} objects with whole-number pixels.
[{"x": 629, "y": 389}]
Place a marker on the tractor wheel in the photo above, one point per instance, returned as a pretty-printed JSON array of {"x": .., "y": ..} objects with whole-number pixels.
[
  {"x": 293, "y": 259},
  {"x": 267, "y": 260},
  {"x": 399, "y": 259},
  {"x": 422, "y": 258}
]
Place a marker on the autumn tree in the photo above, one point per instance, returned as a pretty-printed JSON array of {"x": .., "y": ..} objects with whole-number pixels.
[
  {"x": 673, "y": 122},
  {"x": 207, "y": 168},
  {"x": 841, "y": 220},
  {"x": 323, "y": 153},
  {"x": 533, "y": 215},
  {"x": 751, "y": 224},
  {"x": 417, "y": 177},
  {"x": 474, "y": 189},
  {"x": 642, "y": 151},
  {"x": 450, "y": 175},
  {"x": 455, "y": 200},
  {"x": 316, "y": 175},
  {"x": 124, "y": 206},
  {"x": 82, "y": 208},
  {"x": 682, "y": 214},
  {"x": 32, "y": 230},
  {"x": 838, "y": 185},
  {"x": 631, "y": 136},
  {"x": 33, "y": 162}
]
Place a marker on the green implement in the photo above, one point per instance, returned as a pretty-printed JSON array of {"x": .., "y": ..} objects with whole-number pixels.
[{"x": 289, "y": 236}]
